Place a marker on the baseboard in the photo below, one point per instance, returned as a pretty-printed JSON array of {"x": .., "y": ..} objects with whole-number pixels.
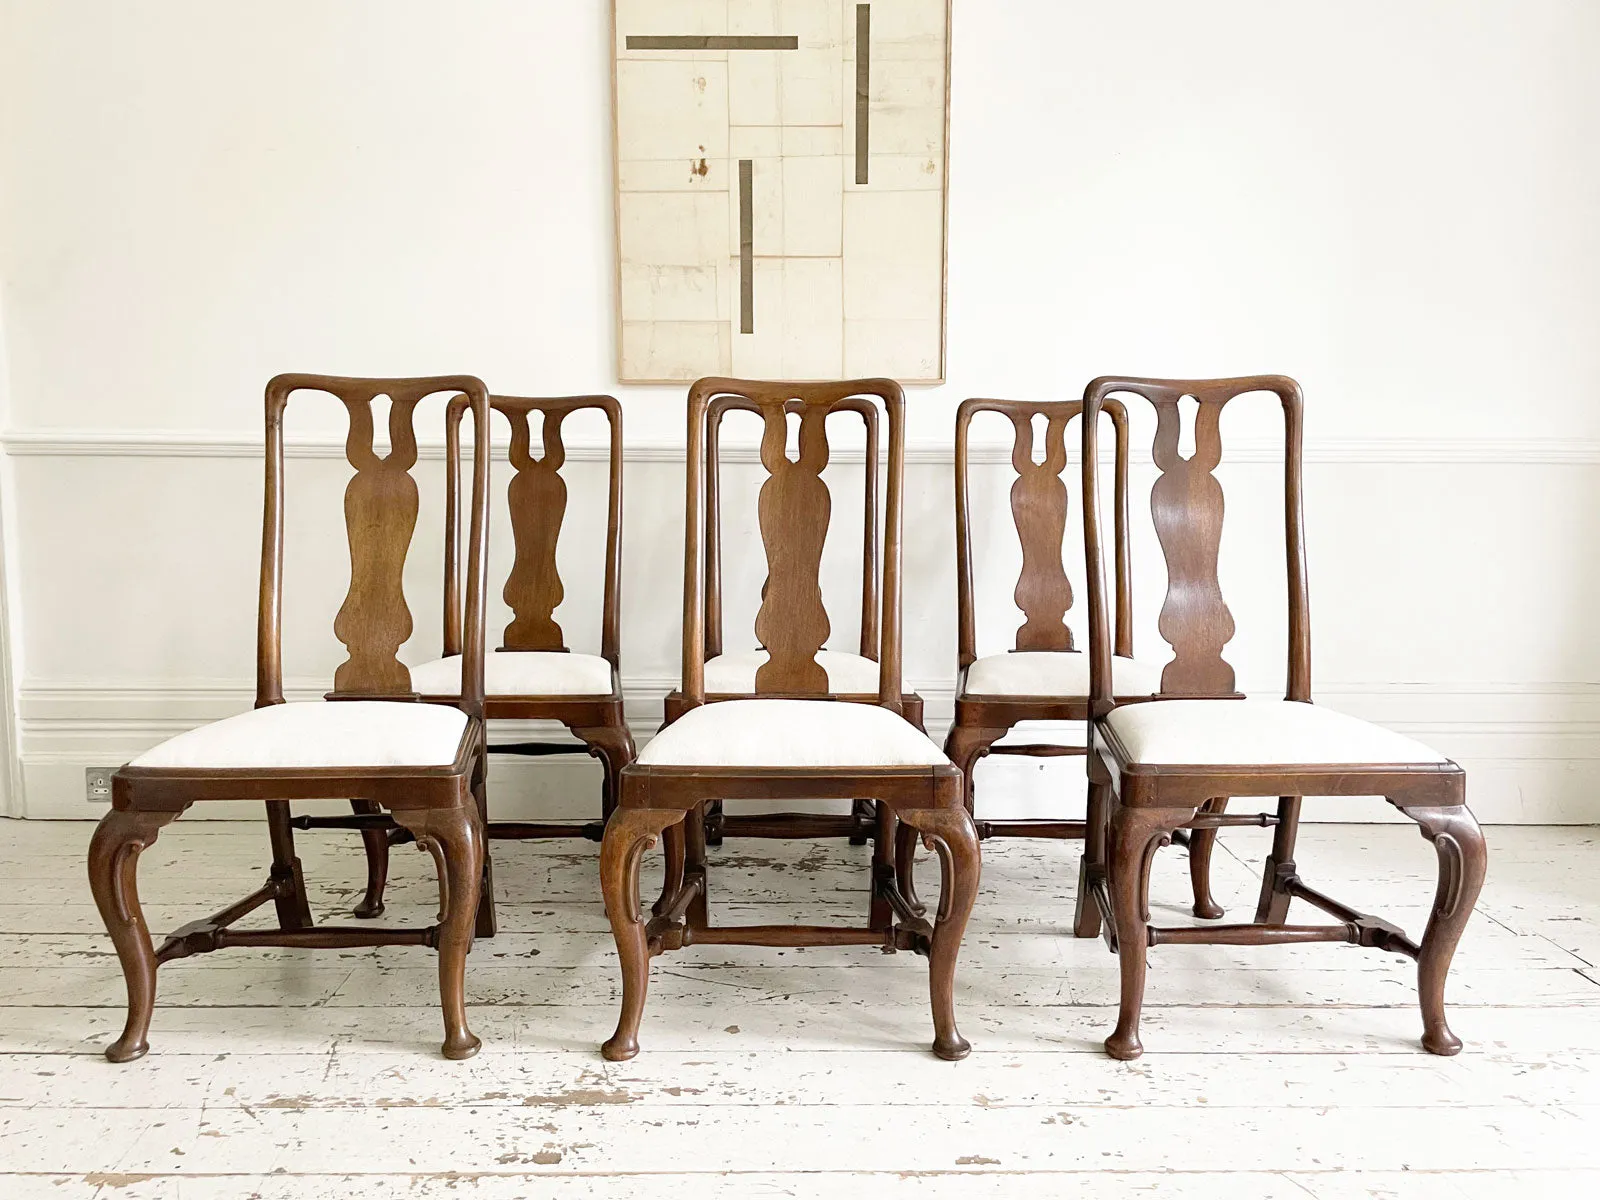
[{"x": 1532, "y": 751}]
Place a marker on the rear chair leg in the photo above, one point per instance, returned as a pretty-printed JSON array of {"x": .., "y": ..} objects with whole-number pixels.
[
  {"x": 376, "y": 843},
  {"x": 113, "y": 873},
  {"x": 880, "y": 915},
  {"x": 1201, "y": 843},
  {"x": 863, "y": 812},
  {"x": 485, "y": 923},
  {"x": 294, "y": 911},
  {"x": 1463, "y": 859},
  {"x": 613, "y": 746},
  {"x": 1092, "y": 866},
  {"x": 905, "y": 865},
  {"x": 675, "y": 852},
  {"x": 1273, "y": 907},
  {"x": 695, "y": 864},
  {"x": 964, "y": 746}
]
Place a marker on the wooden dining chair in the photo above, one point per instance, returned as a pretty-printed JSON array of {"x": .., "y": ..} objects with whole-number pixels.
[
  {"x": 1045, "y": 677},
  {"x": 533, "y": 676},
  {"x": 1172, "y": 762},
  {"x": 371, "y": 737},
  {"x": 794, "y": 737},
  {"x": 851, "y": 675}
]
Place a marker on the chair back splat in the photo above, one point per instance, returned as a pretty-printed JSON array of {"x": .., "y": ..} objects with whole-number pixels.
[
  {"x": 537, "y": 501},
  {"x": 380, "y": 506},
  {"x": 1186, "y": 508},
  {"x": 1039, "y": 510},
  {"x": 794, "y": 509}
]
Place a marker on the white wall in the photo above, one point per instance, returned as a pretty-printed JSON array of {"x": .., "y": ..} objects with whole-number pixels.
[{"x": 1394, "y": 203}]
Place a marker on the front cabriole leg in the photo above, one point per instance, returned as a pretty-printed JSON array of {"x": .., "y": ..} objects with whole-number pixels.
[
  {"x": 951, "y": 834},
  {"x": 113, "y": 877},
  {"x": 1136, "y": 835},
  {"x": 629, "y": 833},
  {"x": 1463, "y": 860},
  {"x": 454, "y": 836}
]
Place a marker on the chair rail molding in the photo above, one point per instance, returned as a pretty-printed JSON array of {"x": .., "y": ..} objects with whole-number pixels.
[{"x": 145, "y": 443}]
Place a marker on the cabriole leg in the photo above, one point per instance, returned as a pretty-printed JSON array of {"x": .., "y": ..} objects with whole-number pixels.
[
  {"x": 1463, "y": 859},
  {"x": 113, "y": 872},
  {"x": 950, "y": 833},
  {"x": 629, "y": 833},
  {"x": 1201, "y": 843},
  {"x": 376, "y": 844},
  {"x": 454, "y": 836},
  {"x": 1136, "y": 835}
]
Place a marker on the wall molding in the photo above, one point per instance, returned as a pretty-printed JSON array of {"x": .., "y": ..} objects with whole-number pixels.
[
  {"x": 1531, "y": 749},
  {"x": 97, "y": 443}
]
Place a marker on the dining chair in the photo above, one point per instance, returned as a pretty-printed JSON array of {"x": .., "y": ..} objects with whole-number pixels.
[
  {"x": 370, "y": 738},
  {"x": 1173, "y": 761},
  {"x": 534, "y": 675},
  {"x": 1045, "y": 676},
  {"x": 852, "y": 675},
  {"x": 795, "y": 737}
]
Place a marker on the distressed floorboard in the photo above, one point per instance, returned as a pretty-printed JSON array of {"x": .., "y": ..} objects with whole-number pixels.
[{"x": 1282, "y": 1072}]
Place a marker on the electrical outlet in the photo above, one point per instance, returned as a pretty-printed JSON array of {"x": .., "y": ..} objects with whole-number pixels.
[{"x": 97, "y": 784}]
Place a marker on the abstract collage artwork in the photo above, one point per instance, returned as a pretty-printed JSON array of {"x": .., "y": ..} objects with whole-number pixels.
[{"x": 781, "y": 172}]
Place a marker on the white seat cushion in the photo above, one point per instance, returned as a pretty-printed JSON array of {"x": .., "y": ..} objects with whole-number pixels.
[
  {"x": 519, "y": 673},
  {"x": 735, "y": 674},
  {"x": 790, "y": 733},
  {"x": 320, "y": 733},
  {"x": 1256, "y": 733},
  {"x": 1056, "y": 673}
]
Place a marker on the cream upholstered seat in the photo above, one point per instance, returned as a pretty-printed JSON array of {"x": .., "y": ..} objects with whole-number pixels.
[
  {"x": 519, "y": 673},
  {"x": 1255, "y": 732},
  {"x": 319, "y": 733},
  {"x": 735, "y": 674},
  {"x": 790, "y": 733},
  {"x": 1056, "y": 673}
]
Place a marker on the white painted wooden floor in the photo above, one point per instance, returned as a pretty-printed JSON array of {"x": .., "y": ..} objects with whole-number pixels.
[{"x": 1278, "y": 1072}]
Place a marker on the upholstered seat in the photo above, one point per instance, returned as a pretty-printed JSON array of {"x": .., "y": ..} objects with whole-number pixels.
[
  {"x": 790, "y": 733},
  {"x": 320, "y": 733},
  {"x": 519, "y": 673},
  {"x": 735, "y": 674},
  {"x": 1255, "y": 732},
  {"x": 1056, "y": 673}
]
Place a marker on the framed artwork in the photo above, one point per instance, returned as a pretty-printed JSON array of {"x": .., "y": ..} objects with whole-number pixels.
[{"x": 781, "y": 179}]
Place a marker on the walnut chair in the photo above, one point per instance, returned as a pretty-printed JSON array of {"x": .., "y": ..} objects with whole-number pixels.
[
  {"x": 732, "y": 675},
  {"x": 370, "y": 738},
  {"x": 793, "y": 737},
  {"x": 1172, "y": 762},
  {"x": 1045, "y": 677},
  {"x": 533, "y": 676}
]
